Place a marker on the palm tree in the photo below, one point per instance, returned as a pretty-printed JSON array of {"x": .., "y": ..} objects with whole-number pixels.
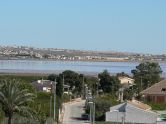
[{"x": 14, "y": 100}]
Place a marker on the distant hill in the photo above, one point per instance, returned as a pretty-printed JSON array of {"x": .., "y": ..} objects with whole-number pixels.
[{"x": 24, "y": 52}]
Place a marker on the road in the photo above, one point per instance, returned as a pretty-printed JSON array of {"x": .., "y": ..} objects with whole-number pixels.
[{"x": 73, "y": 113}]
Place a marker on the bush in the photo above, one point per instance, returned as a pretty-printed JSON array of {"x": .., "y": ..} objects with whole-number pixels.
[
  {"x": 66, "y": 98},
  {"x": 102, "y": 105},
  {"x": 1, "y": 114},
  {"x": 158, "y": 106},
  {"x": 42, "y": 106}
]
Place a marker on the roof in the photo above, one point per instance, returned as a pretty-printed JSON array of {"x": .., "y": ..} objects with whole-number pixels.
[
  {"x": 156, "y": 89},
  {"x": 125, "y": 80},
  {"x": 137, "y": 104},
  {"x": 66, "y": 86},
  {"x": 124, "y": 77},
  {"x": 42, "y": 83}
]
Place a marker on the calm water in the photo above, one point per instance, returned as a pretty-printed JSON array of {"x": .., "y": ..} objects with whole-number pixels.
[{"x": 33, "y": 65}]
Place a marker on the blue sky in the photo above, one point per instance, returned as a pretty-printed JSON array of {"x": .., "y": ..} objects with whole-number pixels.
[{"x": 118, "y": 25}]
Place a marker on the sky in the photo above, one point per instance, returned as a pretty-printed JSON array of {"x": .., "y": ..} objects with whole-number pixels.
[{"x": 106, "y": 25}]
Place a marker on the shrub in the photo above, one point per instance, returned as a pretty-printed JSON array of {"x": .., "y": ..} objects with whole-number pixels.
[
  {"x": 102, "y": 105},
  {"x": 158, "y": 106}
]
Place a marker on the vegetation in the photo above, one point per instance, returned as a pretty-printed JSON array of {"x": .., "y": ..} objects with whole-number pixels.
[
  {"x": 158, "y": 106},
  {"x": 122, "y": 74},
  {"x": 41, "y": 104},
  {"x": 23, "y": 77},
  {"x": 103, "y": 122},
  {"x": 102, "y": 105},
  {"x": 146, "y": 74},
  {"x": 1, "y": 114},
  {"x": 14, "y": 100},
  {"x": 92, "y": 83},
  {"x": 74, "y": 80},
  {"x": 109, "y": 84}
]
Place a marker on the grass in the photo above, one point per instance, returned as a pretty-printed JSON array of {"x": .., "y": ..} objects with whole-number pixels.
[
  {"x": 158, "y": 106},
  {"x": 102, "y": 122},
  {"x": 163, "y": 116},
  {"x": 25, "y": 78}
]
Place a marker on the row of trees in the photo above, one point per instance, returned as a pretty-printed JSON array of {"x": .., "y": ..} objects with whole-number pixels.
[{"x": 144, "y": 75}]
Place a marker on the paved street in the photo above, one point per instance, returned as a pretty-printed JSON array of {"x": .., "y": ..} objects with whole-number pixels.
[{"x": 73, "y": 113}]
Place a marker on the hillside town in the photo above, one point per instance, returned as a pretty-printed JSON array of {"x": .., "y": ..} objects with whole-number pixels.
[{"x": 25, "y": 52}]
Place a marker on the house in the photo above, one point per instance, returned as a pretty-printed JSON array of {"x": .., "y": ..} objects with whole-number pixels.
[
  {"x": 46, "y": 86},
  {"x": 131, "y": 112},
  {"x": 126, "y": 80},
  {"x": 66, "y": 89},
  {"x": 156, "y": 93},
  {"x": 42, "y": 85},
  {"x": 126, "y": 83}
]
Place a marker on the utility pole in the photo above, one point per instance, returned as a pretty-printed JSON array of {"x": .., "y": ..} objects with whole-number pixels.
[
  {"x": 51, "y": 99},
  {"x": 63, "y": 83},
  {"x": 51, "y": 106},
  {"x": 55, "y": 99},
  {"x": 141, "y": 82},
  {"x": 93, "y": 112},
  {"x": 98, "y": 87},
  {"x": 83, "y": 90}
]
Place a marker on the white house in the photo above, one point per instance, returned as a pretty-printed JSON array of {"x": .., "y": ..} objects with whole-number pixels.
[
  {"x": 132, "y": 112},
  {"x": 42, "y": 85},
  {"x": 126, "y": 80}
]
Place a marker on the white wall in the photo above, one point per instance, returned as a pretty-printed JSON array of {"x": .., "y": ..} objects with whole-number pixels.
[{"x": 132, "y": 115}]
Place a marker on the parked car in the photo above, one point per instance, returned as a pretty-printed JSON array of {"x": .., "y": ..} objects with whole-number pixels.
[{"x": 85, "y": 116}]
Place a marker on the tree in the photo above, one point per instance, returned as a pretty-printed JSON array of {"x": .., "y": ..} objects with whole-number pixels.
[
  {"x": 14, "y": 100},
  {"x": 59, "y": 86},
  {"x": 102, "y": 105},
  {"x": 108, "y": 83},
  {"x": 122, "y": 74},
  {"x": 74, "y": 80},
  {"x": 92, "y": 83},
  {"x": 146, "y": 74}
]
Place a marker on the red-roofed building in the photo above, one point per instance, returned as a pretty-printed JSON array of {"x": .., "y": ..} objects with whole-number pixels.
[{"x": 156, "y": 93}]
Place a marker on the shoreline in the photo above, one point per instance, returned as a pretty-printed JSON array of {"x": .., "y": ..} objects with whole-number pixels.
[
  {"x": 48, "y": 72},
  {"x": 41, "y": 72},
  {"x": 33, "y": 59}
]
